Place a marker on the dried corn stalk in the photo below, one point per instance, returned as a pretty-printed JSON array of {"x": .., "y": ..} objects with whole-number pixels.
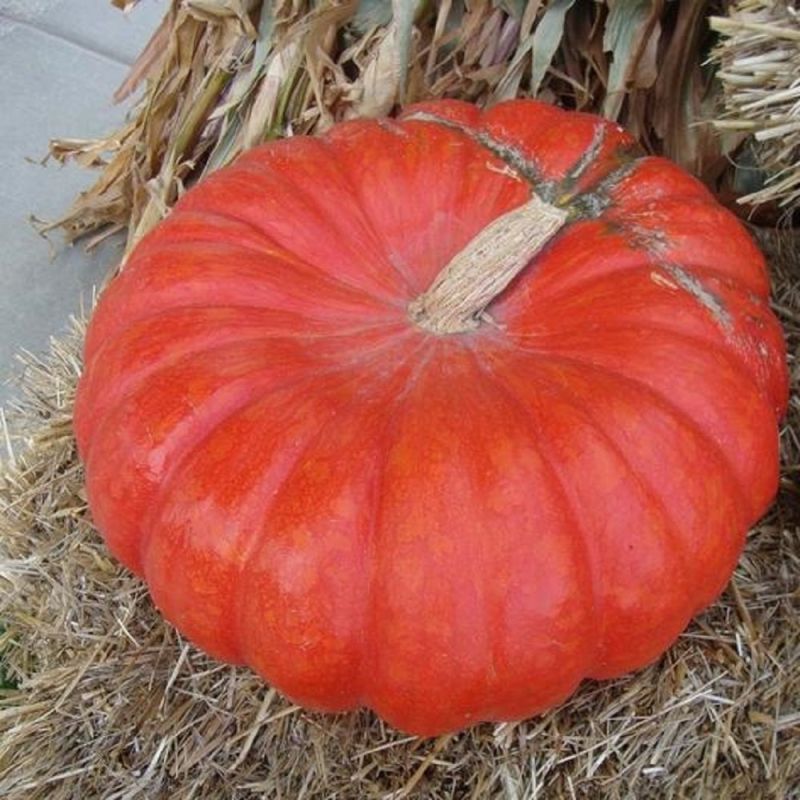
[
  {"x": 760, "y": 72},
  {"x": 223, "y": 75}
]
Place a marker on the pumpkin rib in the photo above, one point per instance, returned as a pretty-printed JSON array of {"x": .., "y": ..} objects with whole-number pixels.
[
  {"x": 672, "y": 527},
  {"x": 735, "y": 356},
  {"x": 502, "y": 386},
  {"x": 311, "y": 201},
  {"x": 648, "y": 263},
  {"x": 732, "y": 355},
  {"x": 238, "y": 595},
  {"x": 408, "y": 280},
  {"x": 511, "y": 156},
  {"x": 462, "y": 189},
  {"x": 269, "y": 479},
  {"x": 657, "y": 178},
  {"x": 328, "y": 280},
  {"x": 667, "y": 236},
  {"x": 353, "y": 408},
  {"x": 367, "y": 674},
  {"x": 589, "y": 202},
  {"x": 111, "y": 318},
  {"x": 659, "y": 396},
  {"x": 111, "y": 341},
  {"x": 180, "y": 449},
  {"x": 423, "y": 709},
  {"x": 131, "y": 382},
  {"x": 645, "y": 486},
  {"x": 178, "y": 441},
  {"x": 345, "y": 376},
  {"x": 676, "y": 294}
]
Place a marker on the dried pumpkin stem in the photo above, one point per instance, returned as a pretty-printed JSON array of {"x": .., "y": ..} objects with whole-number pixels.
[{"x": 458, "y": 297}]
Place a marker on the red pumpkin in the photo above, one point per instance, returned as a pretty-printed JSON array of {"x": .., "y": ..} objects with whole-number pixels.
[{"x": 449, "y": 499}]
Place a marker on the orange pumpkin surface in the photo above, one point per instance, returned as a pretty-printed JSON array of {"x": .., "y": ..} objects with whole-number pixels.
[{"x": 446, "y": 526}]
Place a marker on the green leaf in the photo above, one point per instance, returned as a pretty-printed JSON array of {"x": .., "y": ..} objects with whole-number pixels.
[
  {"x": 625, "y": 27},
  {"x": 546, "y": 40}
]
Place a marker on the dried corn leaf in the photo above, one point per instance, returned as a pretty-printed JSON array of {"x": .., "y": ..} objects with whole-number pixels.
[
  {"x": 280, "y": 72},
  {"x": 300, "y": 65}
]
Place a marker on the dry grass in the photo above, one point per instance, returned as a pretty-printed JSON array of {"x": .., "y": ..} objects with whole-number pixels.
[
  {"x": 759, "y": 59},
  {"x": 113, "y": 704}
]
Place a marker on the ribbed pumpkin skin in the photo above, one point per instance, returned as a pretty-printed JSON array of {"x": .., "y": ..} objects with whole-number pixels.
[{"x": 446, "y": 529}]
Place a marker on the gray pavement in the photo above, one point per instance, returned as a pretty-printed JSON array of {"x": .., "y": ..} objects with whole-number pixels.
[{"x": 60, "y": 62}]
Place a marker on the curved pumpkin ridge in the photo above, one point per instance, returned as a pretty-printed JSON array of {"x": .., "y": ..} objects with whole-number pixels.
[
  {"x": 127, "y": 462},
  {"x": 431, "y": 612},
  {"x": 444, "y": 190},
  {"x": 654, "y": 301},
  {"x": 387, "y": 437},
  {"x": 675, "y": 230},
  {"x": 300, "y": 605},
  {"x": 590, "y": 252},
  {"x": 722, "y": 517},
  {"x": 107, "y": 383},
  {"x": 189, "y": 224},
  {"x": 210, "y": 508},
  {"x": 209, "y": 528},
  {"x": 142, "y": 440},
  {"x": 106, "y": 325},
  {"x": 669, "y": 379},
  {"x": 579, "y": 253},
  {"x": 546, "y": 284},
  {"x": 574, "y": 152},
  {"x": 572, "y": 513},
  {"x": 629, "y": 633},
  {"x": 225, "y": 275},
  {"x": 335, "y": 162},
  {"x": 320, "y": 219},
  {"x": 653, "y": 179},
  {"x": 161, "y": 340},
  {"x": 186, "y": 226}
]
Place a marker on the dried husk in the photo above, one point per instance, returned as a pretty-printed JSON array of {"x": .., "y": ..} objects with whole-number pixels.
[{"x": 223, "y": 75}]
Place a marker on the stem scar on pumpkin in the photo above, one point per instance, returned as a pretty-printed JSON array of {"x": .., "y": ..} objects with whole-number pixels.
[{"x": 460, "y": 294}]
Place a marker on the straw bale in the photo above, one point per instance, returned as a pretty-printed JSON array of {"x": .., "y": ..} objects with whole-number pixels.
[{"x": 112, "y": 703}]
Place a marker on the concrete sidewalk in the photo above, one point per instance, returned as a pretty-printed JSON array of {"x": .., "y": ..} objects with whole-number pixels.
[{"x": 60, "y": 62}]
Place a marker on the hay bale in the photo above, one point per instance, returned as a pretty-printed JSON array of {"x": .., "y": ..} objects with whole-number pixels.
[
  {"x": 759, "y": 69},
  {"x": 112, "y": 703}
]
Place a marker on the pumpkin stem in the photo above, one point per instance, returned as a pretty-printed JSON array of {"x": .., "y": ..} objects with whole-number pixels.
[{"x": 458, "y": 297}]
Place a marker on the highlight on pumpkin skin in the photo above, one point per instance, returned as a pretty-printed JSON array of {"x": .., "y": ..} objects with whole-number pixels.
[{"x": 364, "y": 511}]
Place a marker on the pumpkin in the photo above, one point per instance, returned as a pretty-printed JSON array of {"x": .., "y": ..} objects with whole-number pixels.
[{"x": 438, "y": 415}]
